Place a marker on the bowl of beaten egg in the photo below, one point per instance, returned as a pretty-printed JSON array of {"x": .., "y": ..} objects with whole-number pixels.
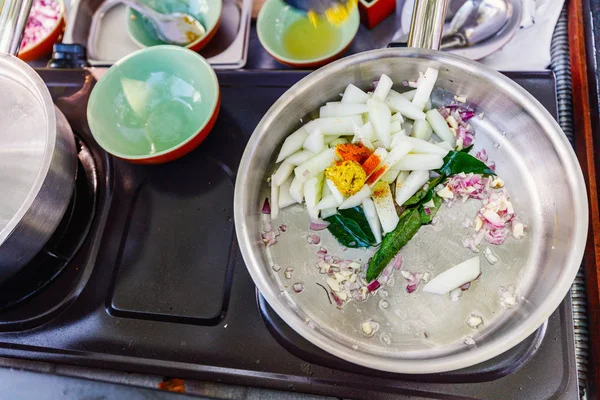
[{"x": 290, "y": 37}]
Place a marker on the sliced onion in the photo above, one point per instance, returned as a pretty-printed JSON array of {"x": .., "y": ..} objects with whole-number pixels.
[
  {"x": 374, "y": 285},
  {"x": 266, "y": 208},
  {"x": 337, "y": 299},
  {"x": 313, "y": 239},
  {"x": 318, "y": 225},
  {"x": 397, "y": 263},
  {"x": 298, "y": 287}
]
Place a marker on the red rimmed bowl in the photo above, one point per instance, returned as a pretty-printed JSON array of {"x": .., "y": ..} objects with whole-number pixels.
[
  {"x": 208, "y": 12},
  {"x": 45, "y": 25},
  {"x": 155, "y": 105},
  {"x": 288, "y": 36}
]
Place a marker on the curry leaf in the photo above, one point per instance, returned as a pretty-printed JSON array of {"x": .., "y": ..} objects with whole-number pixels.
[
  {"x": 407, "y": 227},
  {"x": 423, "y": 195},
  {"x": 351, "y": 228},
  {"x": 456, "y": 162}
]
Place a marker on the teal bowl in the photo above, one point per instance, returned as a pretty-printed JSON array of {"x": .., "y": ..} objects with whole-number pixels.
[
  {"x": 276, "y": 17},
  {"x": 155, "y": 105},
  {"x": 208, "y": 12}
]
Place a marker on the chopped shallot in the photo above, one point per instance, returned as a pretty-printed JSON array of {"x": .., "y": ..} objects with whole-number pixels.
[
  {"x": 313, "y": 239},
  {"x": 337, "y": 299},
  {"x": 413, "y": 278},
  {"x": 374, "y": 285},
  {"x": 474, "y": 321},
  {"x": 490, "y": 256},
  {"x": 455, "y": 294},
  {"x": 298, "y": 287},
  {"x": 276, "y": 267},
  {"x": 318, "y": 225},
  {"x": 288, "y": 272},
  {"x": 269, "y": 238},
  {"x": 43, "y": 18},
  {"x": 369, "y": 327},
  {"x": 266, "y": 208}
]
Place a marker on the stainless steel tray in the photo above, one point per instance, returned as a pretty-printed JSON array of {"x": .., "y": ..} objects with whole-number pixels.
[{"x": 101, "y": 26}]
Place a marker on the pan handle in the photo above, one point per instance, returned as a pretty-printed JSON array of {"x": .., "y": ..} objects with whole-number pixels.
[
  {"x": 13, "y": 18},
  {"x": 427, "y": 24}
]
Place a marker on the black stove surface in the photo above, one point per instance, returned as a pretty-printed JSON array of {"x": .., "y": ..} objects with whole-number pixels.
[{"x": 161, "y": 286}]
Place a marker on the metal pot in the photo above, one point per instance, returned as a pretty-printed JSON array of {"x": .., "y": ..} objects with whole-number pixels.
[
  {"x": 425, "y": 333},
  {"x": 37, "y": 151}
]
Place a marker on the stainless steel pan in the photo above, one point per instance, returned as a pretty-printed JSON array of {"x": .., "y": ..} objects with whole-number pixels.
[
  {"x": 423, "y": 333},
  {"x": 37, "y": 151}
]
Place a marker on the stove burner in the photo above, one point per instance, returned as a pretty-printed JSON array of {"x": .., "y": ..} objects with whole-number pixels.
[{"x": 47, "y": 265}]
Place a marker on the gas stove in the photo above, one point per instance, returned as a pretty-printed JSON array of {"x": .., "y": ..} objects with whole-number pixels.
[{"x": 145, "y": 276}]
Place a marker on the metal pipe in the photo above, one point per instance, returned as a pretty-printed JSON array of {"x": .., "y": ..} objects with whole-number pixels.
[
  {"x": 13, "y": 18},
  {"x": 427, "y": 24}
]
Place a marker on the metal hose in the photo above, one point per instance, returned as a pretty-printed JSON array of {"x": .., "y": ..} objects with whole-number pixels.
[{"x": 561, "y": 65}]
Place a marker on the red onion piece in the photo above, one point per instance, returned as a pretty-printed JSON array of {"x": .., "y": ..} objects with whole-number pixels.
[
  {"x": 338, "y": 301},
  {"x": 466, "y": 286},
  {"x": 374, "y": 285},
  {"x": 266, "y": 208},
  {"x": 298, "y": 287},
  {"x": 43, "y": 18},
  {"x": 466, "y": 114},
  {"x": 411, "y": 287},
  {"x": 318, "y": 225},
  {"x": 397, "y": 263},
  {"x": 313, "y": 239},
  {"x": 283, "y": 228}
]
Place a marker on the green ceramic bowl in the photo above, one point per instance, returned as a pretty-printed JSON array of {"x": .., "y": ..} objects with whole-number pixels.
[
  {"x": 208, "y": 12},
  {"x": 155, "y": 105},
  {"x": 276, "y": 17}
]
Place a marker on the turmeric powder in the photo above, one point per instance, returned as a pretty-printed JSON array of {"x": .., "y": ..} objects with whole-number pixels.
[{"x": 348, "y": 176}]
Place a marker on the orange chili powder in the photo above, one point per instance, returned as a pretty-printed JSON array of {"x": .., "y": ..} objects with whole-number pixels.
[
  {"x": 371, "y": 163},
  {"x": 375, "y": 175},
  {"x": 353, "y": 152}
]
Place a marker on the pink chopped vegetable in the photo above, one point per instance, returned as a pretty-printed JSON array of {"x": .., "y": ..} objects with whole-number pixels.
[
  {"x": 318, "y": 225},
  {"x": 269, "y": 238},
  {"x": 266, "y": 208},
  {"x": 469, "y": 186},
  {"x": 337, "y": 299},
  {"x": 298, "y": 287},
  {"x": 43, "y": 18},
  {"x": 482, "y": 155},
  {"x": 414, "y": 279},
  {"x": 466, "y": 115},
  {"x": 374, "y": 285},
  {"x": 496, "y": 236},
  {"x": 466, "y": 136},
  {"x": 283, "y": 228},
  {"x": 397, "y": 263},
  {"x": 313, "y": 239},
  {"x": 467, "y": 285}
]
